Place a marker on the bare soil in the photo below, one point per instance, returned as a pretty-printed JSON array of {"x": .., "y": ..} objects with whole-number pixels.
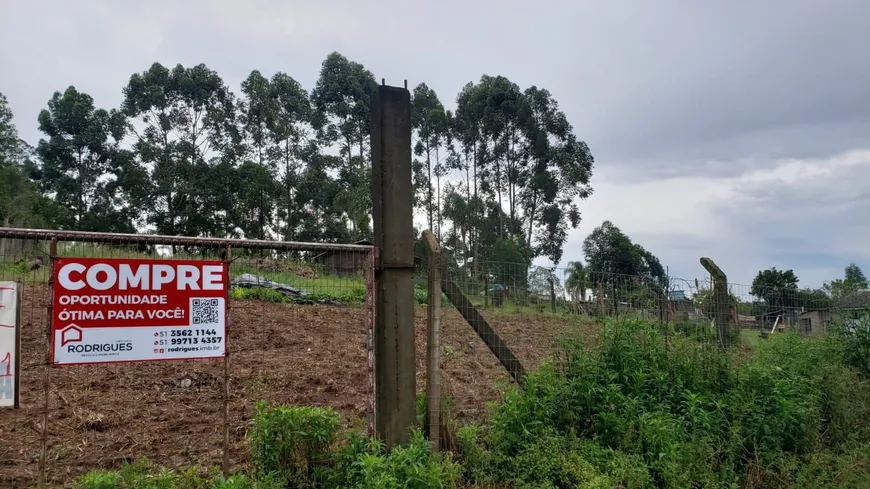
[{"x": 172, "y": 412}]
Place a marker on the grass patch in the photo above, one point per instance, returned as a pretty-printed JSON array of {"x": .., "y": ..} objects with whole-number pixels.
[{"x": 143, "y": 475}]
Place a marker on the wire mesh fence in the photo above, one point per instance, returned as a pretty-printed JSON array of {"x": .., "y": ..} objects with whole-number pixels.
[
  {"x": 523, "y": 313},
  {"x": 299, "y": 319}
]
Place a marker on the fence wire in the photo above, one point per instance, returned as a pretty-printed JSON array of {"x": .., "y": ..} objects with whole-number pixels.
[
  {"x": 531, "y": 310},
  {"x": 298, "y": 335}
]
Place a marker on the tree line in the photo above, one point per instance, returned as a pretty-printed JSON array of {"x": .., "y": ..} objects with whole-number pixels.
[
  {"x": 185, "y": 155},
  {"x": 627, "y": 270}
]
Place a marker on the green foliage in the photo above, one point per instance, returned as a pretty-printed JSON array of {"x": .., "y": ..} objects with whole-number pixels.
[
  {"x": 611, "y": 252},
  {"x": 430, "y": 122},
  {"x": 855, "y": 335},
  {"x": 21, "y": 202},
  {"x": 184, "y": 155},
  {"x": 853, "y": 281},
  {"x": 577, "y": 281},
  {"x": 509, "y": 265},
  {"x": 83, "y": 147},
  {"x": 779, "y": 288},
  {"x": 364, "y": 464},
  {"x": 421, "y": 296},
  {"x": 292, "y": 443},
  {"x": 776, "y": 287},
  {"x": 143, "y": 475},
  {"x": 673, "y": 411}
]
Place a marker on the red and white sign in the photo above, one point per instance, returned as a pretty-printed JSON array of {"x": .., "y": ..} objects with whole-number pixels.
[
  {"x": 9, "y": 339},
  {"x": 126, "y": 310}
]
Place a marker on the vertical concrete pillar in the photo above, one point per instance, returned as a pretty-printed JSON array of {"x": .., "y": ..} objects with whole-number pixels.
[{"x": 392, "y": 201}]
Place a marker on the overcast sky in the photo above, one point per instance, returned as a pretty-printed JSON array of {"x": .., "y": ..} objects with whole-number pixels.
[{"x": 736, "y": 130}]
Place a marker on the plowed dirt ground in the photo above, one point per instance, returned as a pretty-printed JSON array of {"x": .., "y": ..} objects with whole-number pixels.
[{"x": 172, "y": 412}]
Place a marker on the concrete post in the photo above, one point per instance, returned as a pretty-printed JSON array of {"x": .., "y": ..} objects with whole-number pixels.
[
  {"x": 392, "y": 205},
  {"x": 721, "y": 301}
]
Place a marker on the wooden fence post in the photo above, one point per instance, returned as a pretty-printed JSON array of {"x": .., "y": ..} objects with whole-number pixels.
[{"x": 433, "y": 347}]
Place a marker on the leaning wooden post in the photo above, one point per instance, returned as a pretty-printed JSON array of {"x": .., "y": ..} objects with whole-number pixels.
[
  {"x": 392, "y": 212},
  {"x": 433, "y": 347},
  {"x": 476, "y": 320},
  {"x": 720, "y": 300}
]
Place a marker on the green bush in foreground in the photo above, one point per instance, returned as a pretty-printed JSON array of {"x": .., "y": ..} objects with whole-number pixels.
[
  {"x": 293, "y": 444},
  {"x": 675, "y": 412}
]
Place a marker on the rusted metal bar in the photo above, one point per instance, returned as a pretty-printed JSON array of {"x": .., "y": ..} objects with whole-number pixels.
[
  {"x": 156, "y": 239},
  {"x": 18, "y": 327},
  {"x": 46, "y": 387},
  {"x": 225, "y": 462}
]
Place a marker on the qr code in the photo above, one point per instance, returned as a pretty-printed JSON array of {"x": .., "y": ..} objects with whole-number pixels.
[{"x": 205, "y": 311}]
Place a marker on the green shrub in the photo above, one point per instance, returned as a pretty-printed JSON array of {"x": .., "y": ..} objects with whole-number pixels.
[
  {"x": 680, "y": 409},
  {"x": 364, "y": 464},
  {"x": 473, "y": 456},
  {"x": 293, "y": 443},
  {"x": 846, "y": 468},
  {"x": 421, "y": 296},
  {"x": 855, "y": 337},
  {"x": 241, "y": 481},
  {"x": 143, "y": 475}
]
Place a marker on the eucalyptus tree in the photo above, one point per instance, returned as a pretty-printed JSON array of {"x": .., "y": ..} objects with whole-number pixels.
[
  {"x": 342, "y": 101},
  {"x": 258, "y": 193},
  {"x": 81, "y": 159},
  {"x": 291, "y": 130},
  {"x": 431, "y": 124},
  {"x": 21, "y": 202},
  {"x": 188, "y": 129},
  {"x": 525, "y": 158},
  {"x": 557, "y": 173}
]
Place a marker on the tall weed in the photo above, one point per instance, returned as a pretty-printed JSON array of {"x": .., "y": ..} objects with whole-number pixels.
[
  {"x": 686, "y": 412},
  {"x": 293, "y": 443}
]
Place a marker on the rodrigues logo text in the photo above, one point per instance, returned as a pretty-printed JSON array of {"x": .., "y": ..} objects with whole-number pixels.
[{"x": 100, "y": 347}]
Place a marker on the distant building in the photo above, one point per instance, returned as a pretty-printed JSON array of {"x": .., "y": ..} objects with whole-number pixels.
[
  {"x": 855, "y": 307},
  {"x": 681, "y": 307},
  {"x": 343, "y": 262},
  {"x": 813, "y": 322},
  {"x": 677, "y": 295}
]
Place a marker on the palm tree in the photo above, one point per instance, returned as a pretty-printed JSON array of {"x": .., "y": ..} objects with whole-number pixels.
[{"x": 577, "y": 280}]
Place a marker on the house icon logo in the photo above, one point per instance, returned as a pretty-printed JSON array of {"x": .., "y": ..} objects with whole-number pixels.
[{"x": 70, "y": 334}]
